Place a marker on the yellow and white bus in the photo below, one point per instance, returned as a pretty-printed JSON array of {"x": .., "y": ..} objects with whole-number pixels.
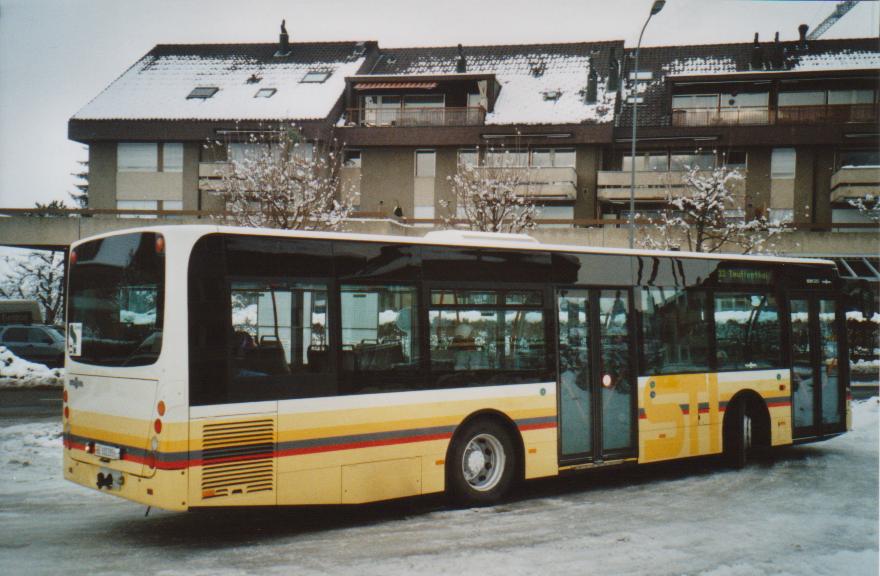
[{"x": 214, "y": 366}]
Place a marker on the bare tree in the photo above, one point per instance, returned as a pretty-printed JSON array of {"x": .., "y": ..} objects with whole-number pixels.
[
  {"x": 869, "y": 206},
  {"x": 37, "y": 276},
  {"x": 708, "y": 217},
  {"x": 277, "y": 181},
  {"x": 485, "y": 198}
]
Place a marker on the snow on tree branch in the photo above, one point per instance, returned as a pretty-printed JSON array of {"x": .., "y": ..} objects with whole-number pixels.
[
  {"x": 37, "y": 276},
  {"x": 708, "y": 217},
  {"x": 869, "y": 206},
  {"x": 485, "y": 198},
  {"x": 276, "y": 180}
]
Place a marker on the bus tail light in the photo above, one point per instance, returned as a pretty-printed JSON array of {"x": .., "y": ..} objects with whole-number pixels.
[
  {"x": 73, "y": 257},
  {"x": 67, "y": 412},
  {"x": 64, "y": 395},
  {"x": 160, "y": 244},
  {"x": 157, "y": 425},
  {"x": 160, "y": 408}
]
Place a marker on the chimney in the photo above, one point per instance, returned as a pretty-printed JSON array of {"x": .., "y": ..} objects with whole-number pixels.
[
  {"x": 461, "y": 65},
  {"x": 613, "y": 71},
  {"x": 802, "y": 31},
  {"x": 283, "y": 39},
  {"x": 757, "y": 61},
  {"x": 777, "y": 59},
  {"x": 591, "y": 94}
]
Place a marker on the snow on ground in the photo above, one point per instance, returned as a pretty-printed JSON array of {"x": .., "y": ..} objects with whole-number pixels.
[
  {"x": 807, "y": 510},
  {"x": 16, "y": 372}
]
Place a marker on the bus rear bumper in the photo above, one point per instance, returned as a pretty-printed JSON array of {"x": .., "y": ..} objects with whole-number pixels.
[{"x": 166, "y": 489}]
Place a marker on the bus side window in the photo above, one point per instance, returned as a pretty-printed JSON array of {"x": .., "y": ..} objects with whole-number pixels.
[
  {"x": 675, "y": 340},
  {"x": 279, "y": 344},
  {"x": 380, "y": 338}
]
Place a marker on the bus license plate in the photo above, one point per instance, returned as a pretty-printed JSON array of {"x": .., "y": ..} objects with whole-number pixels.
[{"x": 104, "y": 451}]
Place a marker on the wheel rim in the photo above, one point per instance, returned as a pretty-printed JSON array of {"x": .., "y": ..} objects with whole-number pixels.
[{"x": 482, "y": 462}]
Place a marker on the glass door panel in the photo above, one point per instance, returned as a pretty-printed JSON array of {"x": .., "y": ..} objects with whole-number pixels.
[
  {"x": 802, "y": 365},
  {"x": 828, "y": 363},
  {"x": 574, "y": 373},
  {"x": 615, "y": 373}
]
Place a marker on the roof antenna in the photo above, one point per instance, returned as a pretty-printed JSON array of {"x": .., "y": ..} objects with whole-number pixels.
[{"x": 461, "y": 66}]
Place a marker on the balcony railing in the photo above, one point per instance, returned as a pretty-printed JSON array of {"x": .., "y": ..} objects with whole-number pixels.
[
  {"x": 435, "y": 116},
  {"x": 651, "y": 186},
  {"x": 762, "y": 115},
  {"x": 826, "y": 113},
  {"x": 745, "y": 116},
  {"x": 541, "y": 182},
  {"x": 855, "y": 182}
]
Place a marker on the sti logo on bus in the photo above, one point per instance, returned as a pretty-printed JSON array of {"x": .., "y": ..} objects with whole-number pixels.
[{"x": 74, "y": 339}]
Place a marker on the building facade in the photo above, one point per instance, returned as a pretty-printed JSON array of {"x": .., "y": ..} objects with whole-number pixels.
[{"x": 799, "y": 119}]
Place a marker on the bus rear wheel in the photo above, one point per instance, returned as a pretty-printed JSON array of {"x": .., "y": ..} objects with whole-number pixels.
[{"x": 481, "y": 463}]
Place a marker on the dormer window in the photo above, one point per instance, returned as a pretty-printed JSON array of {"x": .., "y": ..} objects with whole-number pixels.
[
  {"x": 202, "y": 92},
  {"x": 552, "y": 94},
  {"x": 265, "y": 93},
  {"x": 254, "y": 79},
  {"x": 315, "y": 77}
]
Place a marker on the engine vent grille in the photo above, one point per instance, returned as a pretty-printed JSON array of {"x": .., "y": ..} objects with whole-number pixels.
[{"x": 237, "y": 458}]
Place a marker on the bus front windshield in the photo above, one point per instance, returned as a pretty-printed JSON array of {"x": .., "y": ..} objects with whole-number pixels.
[{"x": 116, "y": 295}]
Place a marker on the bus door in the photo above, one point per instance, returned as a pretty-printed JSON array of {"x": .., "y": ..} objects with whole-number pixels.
[
  {"x": 817, "y": 355},
  {"x": 595, "y": 374}
]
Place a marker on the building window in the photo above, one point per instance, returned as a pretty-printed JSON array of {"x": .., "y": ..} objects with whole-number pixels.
[
  {"x": 782, "y": 163},
  {"x": 202, "y": 92},
  {"x": 812, "y": 98},
  {"x": 469, "y": 156},
  {"x": 265, "y": 93},
  {"x": 734, "y": 160},
  {"x": 315, "y": 77},
  {"x": 425, "y": 163},
  {"x": 844, "y": 97},
  {"x": 683, "y": 161},
  {"x": 137, "y": 157},
  {"x": 172, "y": 157},
  {"x": 647, "y": 162},
  {"x": 553, "y": 157},
  {"x": 695, "y": 101},
  {"x": 351, "y": 158},
  {"x": 858, "y": 158},
  {"x": 137, "y": 205},
  {"x": 507, "y": 158}
]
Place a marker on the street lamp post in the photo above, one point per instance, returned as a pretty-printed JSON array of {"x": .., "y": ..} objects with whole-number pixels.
[{"x": 655, "y": 8}]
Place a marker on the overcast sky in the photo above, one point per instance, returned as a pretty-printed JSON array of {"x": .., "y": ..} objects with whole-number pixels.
[{"x": 56, "y": 55}]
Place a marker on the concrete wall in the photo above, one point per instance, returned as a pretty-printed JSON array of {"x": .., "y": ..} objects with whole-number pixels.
[
  {"x": 102, "y": 175},
  {"x": 588, "y": 161},
  {"x": 804, "y": 178},
  {"x": 190, "y": 184},
  {"x": 387, "y": 177},
  {"x": 758, "y": 181}
]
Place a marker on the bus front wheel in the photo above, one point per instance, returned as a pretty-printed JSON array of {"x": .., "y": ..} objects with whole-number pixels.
[
  {"x": 482, "y": 462},
  {"x": 737, "y": 435}
]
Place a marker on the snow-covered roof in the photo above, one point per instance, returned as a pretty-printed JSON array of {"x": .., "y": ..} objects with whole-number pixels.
[
  {"x": 157, "y": 86},
  {"x": 785, "y": 58},
  {"x": 540, "y": 83}
]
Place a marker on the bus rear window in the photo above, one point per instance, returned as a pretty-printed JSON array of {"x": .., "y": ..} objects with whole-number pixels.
[{"x": 116, "y": 296}]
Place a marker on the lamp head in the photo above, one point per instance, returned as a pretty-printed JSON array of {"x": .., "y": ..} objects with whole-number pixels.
[{"x": 658, "y": 6}]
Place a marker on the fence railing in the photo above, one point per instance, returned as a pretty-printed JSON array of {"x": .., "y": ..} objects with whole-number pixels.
[
  {"x": 761, "y": 115},
  {"x": 214, "y": 215},
  {"x": 434, "y": 116}
]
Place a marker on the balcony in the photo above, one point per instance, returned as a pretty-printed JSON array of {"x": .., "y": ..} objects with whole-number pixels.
[
  {"x": 745, "y": 116},
  {"x": 614, "y": 186},
  {"x": 427, "y": 116},
  {"x": 854, "y": 182},
  {"x": 542, "y": 183},
  {"x": 762, "y": 115},
  {"x": 835, "y": 113}
]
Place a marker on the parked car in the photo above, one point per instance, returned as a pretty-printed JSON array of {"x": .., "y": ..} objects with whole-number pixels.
[{"x": 36, "y": 343}]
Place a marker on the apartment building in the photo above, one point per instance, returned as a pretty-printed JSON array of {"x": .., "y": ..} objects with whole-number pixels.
[{"x": 799, "y": 119}]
